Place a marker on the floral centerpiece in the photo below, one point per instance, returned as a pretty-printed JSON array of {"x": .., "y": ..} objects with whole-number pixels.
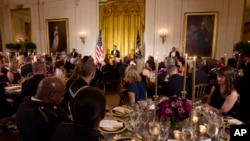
[{"x": 176, "y": 108}]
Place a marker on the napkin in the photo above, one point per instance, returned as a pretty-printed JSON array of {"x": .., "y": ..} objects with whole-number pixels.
[
  {"x": 110, "y": 124},
  {"x": 234, "y": 121},
  {"x": 122, "y": 110}
]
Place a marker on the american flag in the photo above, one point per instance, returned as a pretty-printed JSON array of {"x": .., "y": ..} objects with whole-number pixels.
[{"x": 99, "y": 49}]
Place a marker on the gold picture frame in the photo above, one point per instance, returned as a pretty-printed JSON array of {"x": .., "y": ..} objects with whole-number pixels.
[
  {"x": 57, "y": 36},
  {"x": 200, "y": 34}
]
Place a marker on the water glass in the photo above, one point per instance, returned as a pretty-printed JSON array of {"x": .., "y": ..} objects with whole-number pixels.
[
  {"x": 212, "y": 129},
  {"x": 164, "y": 132},
  {"x": 223, "y": 135},
  {"x": 154, "y": 130},
  {"x": 187, "y": 133},
  {"x": 165, "y": 122}
]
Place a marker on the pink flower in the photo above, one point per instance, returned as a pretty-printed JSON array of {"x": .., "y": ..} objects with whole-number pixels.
[
  {"x": 181, "y": 110},
  {"x": 179, "y": 103}
]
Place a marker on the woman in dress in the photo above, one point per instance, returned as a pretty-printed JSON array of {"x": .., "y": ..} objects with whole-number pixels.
[
  {"x": 14, "y": 74},
  {"x": 136, "y": 88},
  {"x": 223, "y": 96}
]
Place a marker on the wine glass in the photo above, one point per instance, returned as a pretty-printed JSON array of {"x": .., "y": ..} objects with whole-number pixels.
[
  {"x": 154, "y": 130},
  {"x": 164, "y": 132},
  {"x": 212, "y": 129},
  {"x": 165, "y": 121},
  {"x": 223, "y": 135},
  {"x": 187, "y": 133}
]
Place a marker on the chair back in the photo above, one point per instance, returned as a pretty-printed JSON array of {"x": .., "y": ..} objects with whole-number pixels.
[
  {"x": 108, "y": 76},
  {"x": 200, "y": 91},
  {"x": 124, "y": 99}
]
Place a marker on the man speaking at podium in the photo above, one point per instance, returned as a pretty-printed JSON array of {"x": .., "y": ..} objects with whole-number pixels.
[{"x": 115, "y": 52}]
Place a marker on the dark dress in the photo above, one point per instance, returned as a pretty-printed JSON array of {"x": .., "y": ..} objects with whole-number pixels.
[
  {"x": 139, "y": 89},
  {"x": 17, "y": 77},
  {"x": 26, "y": 69},
  {"x": 216, "y": 101},
  {"x": 36, "y": 120},
  {"x": 71, "y": 132}
]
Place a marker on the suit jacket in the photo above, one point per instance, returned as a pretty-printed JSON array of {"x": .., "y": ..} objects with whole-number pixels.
[
  {"x": 74, "y": 55},
  {"x": 25, "y": 69},
  {"x": 177, "y": 53},
  {"x": 116, "y": 53},
  {"x": 36, "y": 120},
  {"x": 30, "y": 85},
  {"x": 173, "y": 86}
]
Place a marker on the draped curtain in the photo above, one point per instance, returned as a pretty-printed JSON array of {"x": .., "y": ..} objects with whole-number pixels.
[{"x": 120, "y": 22}]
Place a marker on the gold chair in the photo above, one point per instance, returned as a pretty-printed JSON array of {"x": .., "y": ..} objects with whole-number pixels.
[
  {"x": 124, "y": 99},
  {"x": 200, "y": 91}
]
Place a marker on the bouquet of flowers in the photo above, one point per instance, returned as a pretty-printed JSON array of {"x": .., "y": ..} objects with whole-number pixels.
[{"x": 174, "y": 107}]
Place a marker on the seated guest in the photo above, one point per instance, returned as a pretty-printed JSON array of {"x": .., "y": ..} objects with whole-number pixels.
[
  {"x": 174, "y": 82},
  {"x": 27, "y": 68},
  {"x": 136, "y": 88},
  {"x": 223, "y": 96},
  {"x": 88, "y": 109},
  {"x": 86, "y": 73},
  {"x": 30, "y": 85},
  {"x": 14, "y": 75},
  {"x": 3, "y": 75},
  {"x": 49, "y": 66},
  {"x": 60, "y": 72},
  {"x": 37, "y": 118}
]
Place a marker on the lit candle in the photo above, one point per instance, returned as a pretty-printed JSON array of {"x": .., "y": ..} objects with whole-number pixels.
[
  {"x": 8, "y": 56},
  {"x": 238, "y": 62},
  {"x": 193, "y": 80},
  {"x": 155, "y": 131},
  {"x": 203, "y": 129},
  {"x": 195, "y": 119},
  {"x": 177, "y": 134},
  {"x": 233, "y": 55},
  {"x": 185, "y": 73}
]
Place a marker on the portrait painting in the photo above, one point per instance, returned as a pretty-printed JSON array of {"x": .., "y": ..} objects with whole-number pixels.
[
  {"x": 200, "y": 30},
  {"x": 57, "y": 36}
]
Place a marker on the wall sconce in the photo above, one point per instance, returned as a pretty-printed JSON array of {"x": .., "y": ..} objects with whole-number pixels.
[
  {"x": 163, "y": 35},
  {"x": 83, "y": 36}
]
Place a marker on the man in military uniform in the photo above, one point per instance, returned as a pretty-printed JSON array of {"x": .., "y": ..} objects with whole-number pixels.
[{"x": 37, "y": 117}]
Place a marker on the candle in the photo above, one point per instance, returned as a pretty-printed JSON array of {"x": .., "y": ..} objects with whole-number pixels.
[
  {"x": 195, "y": 119},
  {"x": 155, "y": 131},
  {"x": 193, "y": 80},
  {"x": 8, "y": 56},
  {"x": 238, "y": 62},
  {"x": 156, "y": 77},
  {"x": 185, "y": 74},
  {"x": 177, "y": 134},
  {"x": 203, "y": 129},
  {"x": 225, "y": 57}
]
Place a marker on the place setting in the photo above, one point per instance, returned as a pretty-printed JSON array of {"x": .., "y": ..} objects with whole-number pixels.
[
  {"x": 120, "y": 111},
  {"x": 112, "y": 126}
]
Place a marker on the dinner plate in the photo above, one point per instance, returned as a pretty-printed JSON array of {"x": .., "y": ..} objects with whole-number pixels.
[
  {"x": 120, "y": 111},
  {"x": 231, "y": 121},
  {"x": 113, "y": 130},
  {"x": 125, "y": 139}
]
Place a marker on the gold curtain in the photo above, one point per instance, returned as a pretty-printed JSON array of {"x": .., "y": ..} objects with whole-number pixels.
[{"x": 120, "y": 21}]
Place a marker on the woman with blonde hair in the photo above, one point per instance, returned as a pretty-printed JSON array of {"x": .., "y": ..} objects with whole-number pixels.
[
  {"x": 14, "y": 75},
  {"x": 136, "y": 88}
]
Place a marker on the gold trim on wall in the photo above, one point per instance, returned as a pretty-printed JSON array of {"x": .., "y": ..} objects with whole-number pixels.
[
  {"x": 120, "y": 21},
  {"x": 199, "y": 42},
  {"x": 62, "y": 36}
]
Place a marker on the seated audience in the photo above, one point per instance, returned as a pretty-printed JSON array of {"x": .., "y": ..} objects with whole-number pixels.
[
  {"x": 37, "y": 117},
  {"x": 88, "y": 109},
  {"x": 223, "y": 96},
  {"x": 136, "y": 88}
]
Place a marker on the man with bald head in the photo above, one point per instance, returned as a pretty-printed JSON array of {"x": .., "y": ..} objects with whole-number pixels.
[{"x": 37, "y": 117}]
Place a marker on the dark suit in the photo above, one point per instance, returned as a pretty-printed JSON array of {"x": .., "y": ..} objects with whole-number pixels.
[
  {"x": 173, "y": 86},
  {"x": 36, "y": 120},
  {"x": 25, "y": 69},
  {"x": 74, "y": 54},
  {"x": 116, "y": 53},
  {"x": 177, "y": 53},
  {"x": 30, "y": 85}
]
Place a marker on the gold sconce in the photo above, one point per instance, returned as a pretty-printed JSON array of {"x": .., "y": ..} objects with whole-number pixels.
[
  {"x": 83, "y": 36},
  {"x": 163, "y": 35}
]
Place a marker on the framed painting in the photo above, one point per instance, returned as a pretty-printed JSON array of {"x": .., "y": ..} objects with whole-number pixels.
[
  {"x": 200, "y": 31},
  {"x": 57, "y": 36}
]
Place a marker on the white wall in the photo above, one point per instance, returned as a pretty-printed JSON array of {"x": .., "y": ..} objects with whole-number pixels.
[
  {"x": 169, "y": 14},
  {"x": 160, "y": 14}
]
